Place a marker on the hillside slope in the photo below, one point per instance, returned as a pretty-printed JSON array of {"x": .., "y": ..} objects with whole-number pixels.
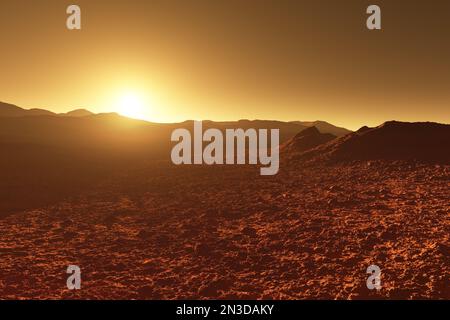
[{"x": 392, "y": 140}]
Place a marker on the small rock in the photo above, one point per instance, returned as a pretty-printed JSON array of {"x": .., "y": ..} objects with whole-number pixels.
[
  {"x": 443, "y": 249},
  {"x": 202, "y": 249},
  {"x": 146, "y": 291},
  {"x": 249, "y": 231},
  {"x": 143, "y": 234},
  {"x": 211, "y": 289}
]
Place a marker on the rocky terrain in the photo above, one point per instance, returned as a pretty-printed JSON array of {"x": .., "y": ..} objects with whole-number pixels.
[
  {"x": 393, "y": 140},
  {"x": 305, "y": 140},
  {"x": 177, "y": 233},
  {"x": 158, "y": 231}
]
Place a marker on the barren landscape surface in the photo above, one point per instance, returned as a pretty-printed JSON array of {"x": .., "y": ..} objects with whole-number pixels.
[{"x": 226, "y": 232}]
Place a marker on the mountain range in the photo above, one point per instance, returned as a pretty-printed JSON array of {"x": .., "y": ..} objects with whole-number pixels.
[
  {"x": 45, "y": 156},
  {"x": 10, "y": 110},
  {"x": 287, "y": 128},
  {"x": 393, "y": 140}
]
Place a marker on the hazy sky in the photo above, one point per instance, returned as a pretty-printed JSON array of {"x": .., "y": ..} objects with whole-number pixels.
[{"x": 227, "y": 60}]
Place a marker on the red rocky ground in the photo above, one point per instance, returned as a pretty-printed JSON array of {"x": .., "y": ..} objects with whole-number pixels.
[{"x": 194, "y": 233}]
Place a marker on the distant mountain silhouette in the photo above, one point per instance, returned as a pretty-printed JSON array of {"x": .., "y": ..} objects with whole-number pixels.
[
  {"x": 325, "y": 127},
  {"x": 287, "y": 129},
  {"x": 79, "y": 113},
  {"x": 305, "y": 140},
  {"x": 46, "y": 156},
  {"x": 10, "y": 110},
  {"x": 392, "y": 140}
]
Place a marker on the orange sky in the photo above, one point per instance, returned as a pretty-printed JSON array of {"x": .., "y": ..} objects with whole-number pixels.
[{"x": 226, "y": 60}]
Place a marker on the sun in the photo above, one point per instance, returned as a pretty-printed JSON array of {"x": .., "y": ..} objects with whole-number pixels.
[{"x": 131, "y": 105}]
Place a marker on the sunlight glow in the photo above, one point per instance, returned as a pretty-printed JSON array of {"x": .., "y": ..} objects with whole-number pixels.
[{"x": 132, "y": 105}]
